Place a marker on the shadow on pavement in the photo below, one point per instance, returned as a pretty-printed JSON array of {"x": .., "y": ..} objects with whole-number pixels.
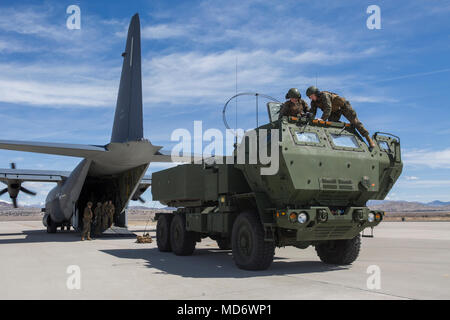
[
  {"x": 214, "y": 263},
  {"x": 33, "y": 236}
]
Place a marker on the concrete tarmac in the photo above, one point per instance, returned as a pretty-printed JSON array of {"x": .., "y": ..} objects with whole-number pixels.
[{"x": 413, "y": 259}]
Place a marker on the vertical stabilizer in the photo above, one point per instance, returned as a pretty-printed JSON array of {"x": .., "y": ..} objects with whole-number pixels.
[{"x": 128, "y": 123}]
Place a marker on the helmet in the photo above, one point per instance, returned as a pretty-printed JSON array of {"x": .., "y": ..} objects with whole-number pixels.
[
  {"x": 312, "y": 90},
  {"x": 293, "y": 93}
]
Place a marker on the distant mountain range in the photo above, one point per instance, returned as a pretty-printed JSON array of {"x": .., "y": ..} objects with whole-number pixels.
[
  {"x": 385, "y": 205},
  {"x": 407, "y": 206}
]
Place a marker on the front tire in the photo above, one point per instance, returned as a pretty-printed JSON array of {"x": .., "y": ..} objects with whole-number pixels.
[
  {"x": 163, "y": 233},
  {"x": 250, "y": 251},
  {"x": 342, "y": 252},
  {"x": 182, "y": 241}
]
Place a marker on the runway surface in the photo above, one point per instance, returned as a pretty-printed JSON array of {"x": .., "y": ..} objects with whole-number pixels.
[{"x": 413, "y": 259}]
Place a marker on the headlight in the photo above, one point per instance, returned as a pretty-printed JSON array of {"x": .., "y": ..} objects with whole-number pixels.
[
  {"x": 371, "y": 217},
  {"x": 302, "y": 217}
]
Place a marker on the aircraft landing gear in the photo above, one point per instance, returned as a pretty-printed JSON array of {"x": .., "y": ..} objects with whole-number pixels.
[{"x": 51, "y": 226}]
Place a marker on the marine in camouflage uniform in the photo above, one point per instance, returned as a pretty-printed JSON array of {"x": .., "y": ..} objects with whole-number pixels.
[
  {"x": 111, "y": 210},
  {"x": 333, "y": 106},
  {"x": 87, "y": 219},
  {"x": 295, "y": 106},
  {"x": 105, "y": 222},
  {"x": 98, "y": 218}
]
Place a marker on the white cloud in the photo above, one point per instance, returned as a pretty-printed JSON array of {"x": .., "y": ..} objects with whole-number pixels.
[
  {"x": 164, "y": 31},
  {"x": 428, "y": 158}
]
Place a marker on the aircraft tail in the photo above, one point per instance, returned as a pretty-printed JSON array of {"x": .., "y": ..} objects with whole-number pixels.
[{"x": 128, "y": 120}]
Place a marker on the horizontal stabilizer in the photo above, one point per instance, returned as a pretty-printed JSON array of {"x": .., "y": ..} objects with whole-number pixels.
[{"x": 62, "y": 149}]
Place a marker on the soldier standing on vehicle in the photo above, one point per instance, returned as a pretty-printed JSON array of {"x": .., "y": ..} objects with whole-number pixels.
[
  {"x": 87, "y": 219},
  {"x": 333, "y": 106},
  {"x": 98, "y": 218},
  {"x": 295, "y": 106}
]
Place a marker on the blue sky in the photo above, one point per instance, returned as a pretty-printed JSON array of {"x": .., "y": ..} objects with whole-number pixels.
[{"x": 60, "y": 85}]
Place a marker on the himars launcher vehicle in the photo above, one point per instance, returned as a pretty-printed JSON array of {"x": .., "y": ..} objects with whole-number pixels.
[{"x": 317, "y": 198}]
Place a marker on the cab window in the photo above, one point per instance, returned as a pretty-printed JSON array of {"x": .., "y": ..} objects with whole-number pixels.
[
  {"x": 345, "y": 141},
  {"x": 384, "y": 146},
  {"x": 310, "y": 137}
]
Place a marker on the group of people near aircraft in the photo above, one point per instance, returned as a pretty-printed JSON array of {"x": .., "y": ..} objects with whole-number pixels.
[
  {"x": 101, "y": 219},
  {"x": 332, "y": 105}
]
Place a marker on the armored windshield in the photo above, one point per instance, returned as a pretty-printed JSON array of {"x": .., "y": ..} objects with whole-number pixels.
[
  {"x": 307, "y": 137},
  {"x": 344, "y": 141}
]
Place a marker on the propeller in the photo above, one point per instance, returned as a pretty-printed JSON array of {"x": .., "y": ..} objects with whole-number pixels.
[
  {"x": 31, "y": 193},
  {"x": 3, "y": 191},
  {"x": 14, "y": 187}
]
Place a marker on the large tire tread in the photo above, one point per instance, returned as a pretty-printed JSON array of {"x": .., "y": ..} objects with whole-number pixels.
[
  {"x": 186, "y": 244},
  {"x": 163, "y": 233},
  {"x": 262, "y": 256},
  {"x": 345, "y": 252}
]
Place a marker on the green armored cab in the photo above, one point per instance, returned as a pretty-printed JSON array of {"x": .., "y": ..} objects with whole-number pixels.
[{"x": 317, "y": 197}]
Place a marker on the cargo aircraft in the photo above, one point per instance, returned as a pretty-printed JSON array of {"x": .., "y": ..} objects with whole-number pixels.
[{"x": 115, "y": 171}]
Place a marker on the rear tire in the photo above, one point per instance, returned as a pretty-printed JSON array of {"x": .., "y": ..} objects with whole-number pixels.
[
  {"x": 341, "y": 252},
  {"x": 163, "y": 233},
  {"x": 182, "y": 241},
  {"x": 250, "y": 251}
]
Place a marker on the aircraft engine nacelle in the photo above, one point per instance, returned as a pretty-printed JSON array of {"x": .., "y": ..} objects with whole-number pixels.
[{"x": 14, "y": 187}]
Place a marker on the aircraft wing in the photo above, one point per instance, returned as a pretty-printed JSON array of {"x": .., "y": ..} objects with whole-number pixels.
[
  {"x": 62, "y": 149},
  {"x": 33, "y": 175},
  {"x": 144, "y": 184}
]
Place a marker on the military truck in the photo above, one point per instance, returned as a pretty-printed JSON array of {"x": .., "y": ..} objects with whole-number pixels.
[{"x": 317, "y": 198}]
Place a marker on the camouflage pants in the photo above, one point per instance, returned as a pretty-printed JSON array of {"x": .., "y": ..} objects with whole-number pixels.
[
  {"x": 98, "y": 225},
  {"x": 348, "y": 112},
  {"x": 86, "y": 228}
]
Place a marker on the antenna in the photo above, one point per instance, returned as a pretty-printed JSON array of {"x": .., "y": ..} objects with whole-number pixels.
[{"x": 236, "y": 112}]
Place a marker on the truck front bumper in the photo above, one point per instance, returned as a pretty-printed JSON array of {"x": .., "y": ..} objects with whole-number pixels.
[{"x": 320, "y": 223}]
